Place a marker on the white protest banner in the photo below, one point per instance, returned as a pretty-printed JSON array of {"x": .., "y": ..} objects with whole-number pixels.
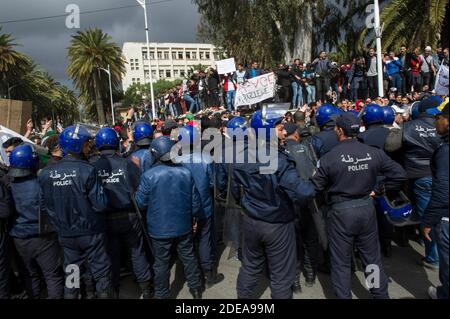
[
  {"x": 256, "y": 90},
  {"x": 226, "y": 66},
  {"x": 441, "y": 86}
]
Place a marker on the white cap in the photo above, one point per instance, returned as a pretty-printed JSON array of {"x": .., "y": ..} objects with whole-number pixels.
[
  {"x": 428, "y": 48},
  {"x": 397, "y": 109}
]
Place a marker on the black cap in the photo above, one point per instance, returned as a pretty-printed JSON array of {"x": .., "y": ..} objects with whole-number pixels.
[
  {"x": 349, "y": 122},
  {"x": 290, "y": 128},
  {"x": 170, "y": 125}
]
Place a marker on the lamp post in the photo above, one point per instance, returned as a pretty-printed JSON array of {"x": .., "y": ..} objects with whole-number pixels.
[
  {"x": 143, "y": 5},
  {"x": 378, "y": 34},
  {"x": 110, "y": 93}
]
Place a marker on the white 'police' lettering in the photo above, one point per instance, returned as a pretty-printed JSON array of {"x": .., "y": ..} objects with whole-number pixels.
[
  {"x": 62, "y": 183},
  {"x": 357, "y": 168}
]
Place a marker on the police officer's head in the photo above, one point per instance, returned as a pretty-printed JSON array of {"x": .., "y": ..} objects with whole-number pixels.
[
  {"x": 237, "y": 127},
  {"x": 11, "y": 143},
  {"x": 326, "y": 115},
  {"x": 24, "y": 161},
  {"x": 347, "y": 126},
  {"x": 161, "y": 148},
  {"x": 427, "y": 104},
  {"x": 441, "y": 114},
  {"x": 389, "y": 115},
  {"x": 373, "y": 114},
  {"x": 75, "y": 140},
  {"x": 142, "y": 134},
  {"x": 106, "y": 139},
  {"x": 189, "y": 135},
  {"x": 263, "y": 123}
]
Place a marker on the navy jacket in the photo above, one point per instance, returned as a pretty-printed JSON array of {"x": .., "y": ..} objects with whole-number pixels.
[
  {"x": 146, "y": 159},
  {"x": 324, "y": 141},
  {"x": 203, "y": 175},
  {"x": 438, "y": 206},
  {"x": 169, "y": 195},
  {"x": 351, "y": 169},
  {"x": 26, "y": 194},
  {"x": 270, "y": 197},
  {"x": 73, "y": 195},
  {"x": 420, "y": 140},
  {"x": 120, "y": 180}
]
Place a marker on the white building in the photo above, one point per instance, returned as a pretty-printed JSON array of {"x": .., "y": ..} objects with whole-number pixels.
[{"x": 169, "y": 61}]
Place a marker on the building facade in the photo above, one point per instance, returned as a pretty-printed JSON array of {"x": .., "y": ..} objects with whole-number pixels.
[{"x": 169, "y": 61}]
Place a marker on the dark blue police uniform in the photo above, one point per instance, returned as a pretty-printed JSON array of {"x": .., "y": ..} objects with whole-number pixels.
[{"x": 6, "y": 208}]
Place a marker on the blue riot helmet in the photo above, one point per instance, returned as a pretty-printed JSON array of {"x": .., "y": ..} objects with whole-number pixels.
[
  {"x": 142, "y": 133},
  {"x": 414, "y": 110},
  {"x": 236, "y": 126},
  {"x": 265, "y": 120},
  {"x": 326, "y": 114},
  {"x": 23, "y": 161},
  {"x": 372, "y": 114},
  {"x": 189, "y": 135},
  {"x": 161, "y": 148},
  {"x": 398, "y": 210},
  {"x": 106, "y": 138},
  {"x": 72, "y": 139},
  {"x": 389, "y": 115}
]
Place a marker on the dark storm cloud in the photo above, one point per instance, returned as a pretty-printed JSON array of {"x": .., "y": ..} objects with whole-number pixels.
[{"x": 46, "y": 41}]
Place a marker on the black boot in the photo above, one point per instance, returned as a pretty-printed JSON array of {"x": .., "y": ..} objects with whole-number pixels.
[
  {"x": 147, "y": 290},
  {"x": 196, "y": 293},
  {"x": 212, "y": 278},
  {"x": 297, "y": 285}
]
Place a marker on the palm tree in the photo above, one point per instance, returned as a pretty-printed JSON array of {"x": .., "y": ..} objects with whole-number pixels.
[
  {"x": 89, "y": 52},
  {"x": 413, "y": 23},
  {"x": 13, "y": 64}
]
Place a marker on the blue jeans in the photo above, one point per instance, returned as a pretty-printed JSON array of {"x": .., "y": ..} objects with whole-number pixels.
[
  {"x": 193, "y": 106},
  {"x": 396, "y": 82},
  {"x": 230, "y": 100},
  {"x": 422, "y": 194},
  {"x": 297, "y": 94},
  {"x": 442, "y": 246},
  {"x": 311, "y": 89}
]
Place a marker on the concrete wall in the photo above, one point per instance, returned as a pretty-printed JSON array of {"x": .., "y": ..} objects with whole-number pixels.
[{"x": 15, "y": 114}]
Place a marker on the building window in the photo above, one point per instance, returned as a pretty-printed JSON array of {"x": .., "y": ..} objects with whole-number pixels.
[
  {"x": 168, "y": 74},
  {"x": 188, "y": 55},
  {"x": 154, "y": 73},
  {"x": 174, "y": 55},
  {"x": 207, "y": 55},
  {"x": 176, "y": 73},
  {"x": 202, "y": 55},
  {"x": 161, "y": 74},
  {"x": 152, "y": 55},
  {"x": 137, "y": 68},
  {"x": 145, "y": 55},
  {"x": 166, "y": 55},
  {"x": 138, "y": 80},
  {"x": 146, "y": 74},
  {"x": 159, "y": 55},
  {"x": 182, "y": 73},
  {"x": 180, "y": 55},
  {"x": 194, "y": 55}
]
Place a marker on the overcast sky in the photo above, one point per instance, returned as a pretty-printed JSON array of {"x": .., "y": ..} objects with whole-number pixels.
[{"x": 46, "y": 41}]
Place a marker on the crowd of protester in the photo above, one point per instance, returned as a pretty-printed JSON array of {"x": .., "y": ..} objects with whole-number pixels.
[{"x": 333, "y": 106}]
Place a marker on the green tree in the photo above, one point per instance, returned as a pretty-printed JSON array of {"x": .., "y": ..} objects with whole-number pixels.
[
  {"x": 13, "y": 64},
  {"x": 137, "y": 92},
  {"x": 89, "y": 52}
]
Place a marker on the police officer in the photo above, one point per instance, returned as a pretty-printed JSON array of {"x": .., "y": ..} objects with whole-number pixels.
[
  {"x": 167, "y": 193},
  {"x": 267, "y": 190},
  {"x": 6, "y": 209},
  {"x": 348, "y": 174},
  {"x": 202, "y": 171},
  {"x": 307, "y": 238},
  {"x": 325, "y": 140},
  {"x": 377, "y": 135},
  {"x": 39, "y": 251},
  {"x": 420, "y": 140},
  {"x": 142, "y": 137},
  {"x": 436, "y": 214},
  {"x": 74, "y": 199},
  {"x": 120, "y": 180}
]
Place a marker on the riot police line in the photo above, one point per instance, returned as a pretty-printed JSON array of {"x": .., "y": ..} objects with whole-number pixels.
[{"x": 331, "y": 193}]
